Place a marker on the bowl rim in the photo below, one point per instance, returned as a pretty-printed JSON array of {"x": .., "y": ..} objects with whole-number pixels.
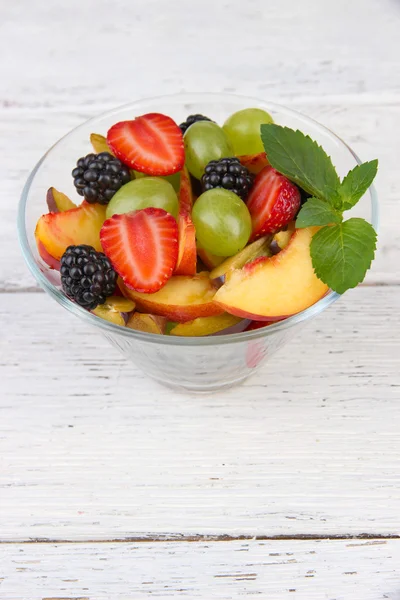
[{"x": 112, "y": 328}]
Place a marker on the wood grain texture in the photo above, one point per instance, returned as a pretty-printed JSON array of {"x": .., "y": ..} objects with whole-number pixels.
[
  {"x": 334, "y": 570},
  {"x": 91, "y": 449},
  {"x": 283, "y": 49}
]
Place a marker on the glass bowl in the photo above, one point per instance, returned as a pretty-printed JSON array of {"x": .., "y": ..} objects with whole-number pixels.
[{"x": 200, "y": 364}]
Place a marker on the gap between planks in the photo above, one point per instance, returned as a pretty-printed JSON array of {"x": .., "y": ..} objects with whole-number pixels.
[{"x": 373, "y": 538}]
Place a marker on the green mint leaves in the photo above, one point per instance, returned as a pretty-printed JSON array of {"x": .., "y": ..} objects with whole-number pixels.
[
  {"x": 301, "y": 160},
  {"x": 317, "y": 212},
  {"x": 341, "y": 251},
  {"x": 356, "y": 183},
  {"x": 342, "y": 254}
]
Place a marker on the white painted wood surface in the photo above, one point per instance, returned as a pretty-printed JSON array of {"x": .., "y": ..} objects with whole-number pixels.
[
  {"x": 91, "y": 450},
  {"x": 332, "y": 570}
]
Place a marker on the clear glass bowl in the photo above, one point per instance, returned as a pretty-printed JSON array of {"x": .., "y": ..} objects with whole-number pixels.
[{"x": 199, "y": 364}]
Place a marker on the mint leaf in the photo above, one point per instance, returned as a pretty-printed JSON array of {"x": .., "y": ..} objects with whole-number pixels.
[
  {"x": 356, "y": 183},
  {"x": 299, "y": 158},
  {"x": 342, "y": 254},
  {"x": 317, "y": 212}
]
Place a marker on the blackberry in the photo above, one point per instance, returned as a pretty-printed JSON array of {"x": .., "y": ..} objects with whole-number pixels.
[
  {"x": 98, "y": 176},
  {"x": 87, "y": 276},
  {"x": 192, "y": 119},
  {"x": 227, "y": 173}
]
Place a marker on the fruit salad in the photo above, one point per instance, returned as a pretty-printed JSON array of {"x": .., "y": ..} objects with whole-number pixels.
[{"x": 205, "y": 228}]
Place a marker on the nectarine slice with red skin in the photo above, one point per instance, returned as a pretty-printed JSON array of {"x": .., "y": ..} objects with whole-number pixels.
[
  {"x": 57, "y": 201},
  {"x": 187, "y": 253},
  {"x": 147, "y": 323},
  {"x": 205, "y": 325},
  {"x": 270, "y": 289},
  {"x": 52, "y": 262},
  {"x": 181, "y": 299},
  {"x": 258, "y": 248},
  {"x": 282, "y": 238},
  {"x": 81, "y": 225},
  {"x": 185, "y": 193},
  {"x": 99, "y": 143},
  {"x": 115, "y": 310},
  {"x": 254, "y": 162}
]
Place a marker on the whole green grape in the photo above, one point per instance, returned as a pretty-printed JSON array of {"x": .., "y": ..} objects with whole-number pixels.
[
  {"x": 144, "y": 193},
  {"x": 243, "y": 130},
  {"x": 205, "y": 141},
  {"x": 174, "y": 179},
  {"x": 222, "y": 222}
]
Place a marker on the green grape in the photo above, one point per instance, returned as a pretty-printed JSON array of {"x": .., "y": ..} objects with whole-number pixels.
[
  {"x": 205, "y": 141},
  {"x": 243, "y": 130},
  {"x": 174, "y": 180},
  {"x": 143, "y": 193},
  {"x": 222, "y": 222}
]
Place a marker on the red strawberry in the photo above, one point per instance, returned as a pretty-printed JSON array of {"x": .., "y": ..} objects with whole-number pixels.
[
  {"x": 255, "y": 352},
  {"x": 151, "y": 144},
  {"x": 142, "y": 247},
  {"x": 273, "y": 202},
  {"x": 258, "y": 324}
]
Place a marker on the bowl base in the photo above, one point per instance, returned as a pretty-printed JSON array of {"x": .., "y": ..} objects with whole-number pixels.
[{"x": 201, "y": 389}]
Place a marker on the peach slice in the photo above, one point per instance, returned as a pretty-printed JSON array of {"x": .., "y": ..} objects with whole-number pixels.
[
  {"x": 99, "y": 143},
  {"x": 258, "y": 248},
  {"x": 205, "y": 325},
  {"x": 48, "y": 259},
  {"x": 57, "y": 201},
  {"x": 185, "y": 193},
  {"x": 254, "y": 162},
  {"x": 209, "y": 260},
  {"x": 81, "y": 225},
  {"x": 187, "y": 253},
  {"x": 269, "y": 289},
  {"x": 282, "y": 238},
  {"x": 147, "y": 323},
  {"x": 181, "y": 299},
  {"x": 115, "y": 310}
]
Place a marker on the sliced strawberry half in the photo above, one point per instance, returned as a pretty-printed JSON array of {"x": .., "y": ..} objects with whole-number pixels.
[
  {"x": 151, "y": 144},
  {"x": 273, "y": 202},
  {"x": 142, "y": 247}
]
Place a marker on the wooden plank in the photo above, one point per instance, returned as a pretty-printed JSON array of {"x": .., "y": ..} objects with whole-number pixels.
[
  {"x": 369, "y": 129},
  {"x": 91, "y": 449},
  {"x": 285, "y": 50},
  {"x": 335, "y": 570}
]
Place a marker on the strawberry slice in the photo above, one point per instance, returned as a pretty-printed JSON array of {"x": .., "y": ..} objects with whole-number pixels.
[
  {"x": 151, "y": 144},
  {"x": 142, "y": 246},
  {"x": 273, "y": 202}
]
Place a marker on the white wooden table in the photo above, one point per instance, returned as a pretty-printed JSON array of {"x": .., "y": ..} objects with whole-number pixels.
[{"x": 286, "y": 487}]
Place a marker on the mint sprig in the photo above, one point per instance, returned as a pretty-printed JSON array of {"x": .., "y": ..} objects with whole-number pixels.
[
  {"x": 342, "y": 254},
  {"x": 301, "y": 160},
  {"x": 317, "y": 212},
  {"x": 341, "y": 251},
  {"x": 356, "y": 183}
]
